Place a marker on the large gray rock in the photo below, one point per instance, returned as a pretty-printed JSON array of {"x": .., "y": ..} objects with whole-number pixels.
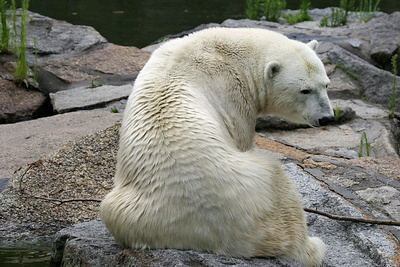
[
  {"x": 107, "y": 64},
  {"x": 348, "y": 244},
  {"x": 57, "y": 39},
  {"x": 376, "y": 84}
]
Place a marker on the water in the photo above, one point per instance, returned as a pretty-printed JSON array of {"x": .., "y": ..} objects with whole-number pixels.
[
  {"x": 24, "y": 257},
  {"x": 139, "y": 23},
  {"x": 25, "y": 251}
]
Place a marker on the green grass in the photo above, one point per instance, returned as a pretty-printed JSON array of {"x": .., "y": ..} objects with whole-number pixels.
[
  {"x": 302, "y": 15},
  {"x": 96, "y": 83},
  {"x": 21, "y": 69},
  {"x": 367, "y": 9},
  {"x": 339, "y": 15},
  {"x": 337, "y": 111},
  {"x": 393, "y": 99},
  {"x": 114, "y": 110},
  {"x": 36, "y": 57},
  {"x": 13, "y": 9},
  {"x": 337, "y": 18},
  {"x": 367, "y": 146},
  {"x": 253, "y": 9},
  {"x": 5, "y": 30},
  {"x": 271, "y": 9}
]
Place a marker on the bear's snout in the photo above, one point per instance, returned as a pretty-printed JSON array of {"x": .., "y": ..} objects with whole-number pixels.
[{"x": 326, "y": 120}]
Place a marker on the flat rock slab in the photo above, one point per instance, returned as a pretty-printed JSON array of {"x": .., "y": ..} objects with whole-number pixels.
[
  {"x": 25, "y": 142},
  {"x": 348, "y": 244},
  {"x": 88, "y": 97}
]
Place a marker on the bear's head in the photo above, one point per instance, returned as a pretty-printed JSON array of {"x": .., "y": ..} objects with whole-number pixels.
[{"x": 297, "y": 86}]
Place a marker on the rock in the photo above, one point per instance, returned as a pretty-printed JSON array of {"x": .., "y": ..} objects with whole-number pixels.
[
  {"x": 3, "y": 183},
  {"x": 386, "y": 197},
  {"x": 376, "y": 84},
  {"x": 274, "y": 123},
  {"x": 28, "y": 141},
  {"x": 379, "y": 33},
  {"x": 57, "y": 39},
  {"x": 90, "y": 244},
  {"x": 17, "y": 103},
  {"x": 87, "y": 97},
  {"x": 110, "y": 64},
  {"x": 342, "y": 139},
  {"x": 343, "y": 85}
]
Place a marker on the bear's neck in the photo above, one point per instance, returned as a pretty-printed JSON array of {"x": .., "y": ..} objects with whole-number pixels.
[{"x": 233, "y": 103}]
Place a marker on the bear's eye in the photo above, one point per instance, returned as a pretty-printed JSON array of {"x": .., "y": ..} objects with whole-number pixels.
[{"x": 305, "y": 91}]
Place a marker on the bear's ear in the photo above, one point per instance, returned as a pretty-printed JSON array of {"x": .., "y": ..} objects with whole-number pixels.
[
  {"x": 313, "y": 44},
  {"x": 272, "y": 69}
]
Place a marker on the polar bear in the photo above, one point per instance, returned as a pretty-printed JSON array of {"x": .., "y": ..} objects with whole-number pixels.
[{"x": 188, "y": 176}]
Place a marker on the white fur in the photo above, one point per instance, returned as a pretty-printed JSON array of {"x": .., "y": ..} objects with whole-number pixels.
[{"x": 187, "y": 175}]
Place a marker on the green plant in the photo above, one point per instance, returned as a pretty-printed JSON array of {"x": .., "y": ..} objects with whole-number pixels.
[
  {"x": 393, "y": 99},
  {"x": 334, "y": 20},
  {"x": 367, "y": 10},
  {"x": 21, "y": 69},
  {"x": 96, "y": 83},
  {"x": 302, "y": 15},
  {"x": 337, "y": 111},
  {"x": 5, "y": 30},
  {"x": 13, "y": 12},
  {"x": 272, "y": 9},
  {"x": 114, "y": 110},
  {"x": 352, "y": 73},
  {"x": 386, "y": 213},
  {"x": 36, "y": 63},
  {"x": 363, "y": 98},
  {"x": 338, "y": 15},
  {"x": 253, "y": 9},
  {"x": 367, "y": 146}
]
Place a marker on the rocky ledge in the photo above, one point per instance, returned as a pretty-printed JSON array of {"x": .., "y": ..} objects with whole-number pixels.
[{"x": 64, "y": 181}]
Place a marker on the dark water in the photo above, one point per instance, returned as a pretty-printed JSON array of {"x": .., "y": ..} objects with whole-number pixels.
[
  {"x": 139, "y": 23},
  {"x": 25, "y": 257},
  {"x": 26, "y": 251}
]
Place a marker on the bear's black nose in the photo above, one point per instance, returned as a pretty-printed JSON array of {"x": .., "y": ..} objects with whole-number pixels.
[{"x": 326, "y": 120}]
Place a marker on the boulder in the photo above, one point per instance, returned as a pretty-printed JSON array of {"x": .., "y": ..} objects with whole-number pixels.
[
  {"x": 376, "y": 84},
  {"x": 348, "y": 244},
  {"x": 380, "y": 35},
  {"x": 17, "y": 103},
  {"x": 57, "y": 39},
  {"x": 108, "y": 64}
]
